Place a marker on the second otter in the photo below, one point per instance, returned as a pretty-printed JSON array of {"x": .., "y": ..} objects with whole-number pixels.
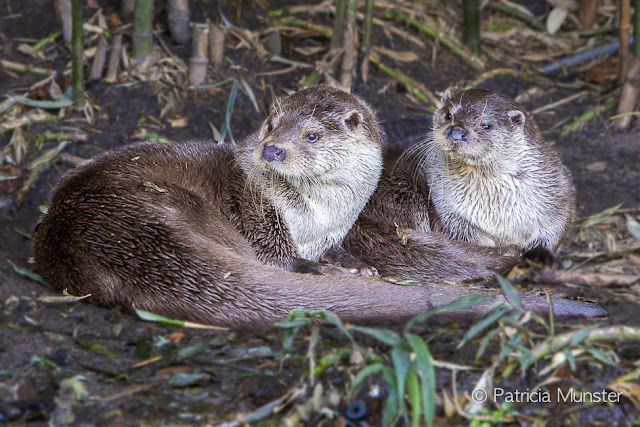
[{"x": 470, "y": 198}]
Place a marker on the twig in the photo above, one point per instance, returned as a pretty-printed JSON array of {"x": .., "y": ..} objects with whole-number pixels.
[
  {"x": 366, "y": 40},
  {"x": 629, "y": 97},
  {"x": 500, "y": 72},
  {"x": 452, "y": 45},
  {"x": 24, "y": 68},
  {"x": 625, "y": 30},
  {"x": 348, "y": 60},
  {"x": 416, "y": 89},
  {"x": 559, "y": 103}
]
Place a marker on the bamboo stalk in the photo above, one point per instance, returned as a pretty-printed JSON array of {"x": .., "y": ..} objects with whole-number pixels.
[
  {"x": 629, "y": 96},
  {"x": 142, "y": 29},
  {"x": 216, "y": 45},
  {"x": 366, "y": 40},
  {"x": 63, "y": 13},
  {"x": 471, "y": 24},
  {"x": 179, "y": 20},
  {"x": 337, "y": 36},
  {"x": 99, "y": 59},
  {"x": 198, "y": 61},
  {"x": 114, "y": 58},
  {"x": 77, "y": 39},
  {"x": 416, "y": 89},
  {"x": 348, "y": 60},
  {"x": 462, "y": 52},
  {"x": 587, "y": 13},
  {"x": 625, "y": 29}
]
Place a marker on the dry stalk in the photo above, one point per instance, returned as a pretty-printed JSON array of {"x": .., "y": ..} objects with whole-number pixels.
[
  {"x": 216, "y": 47},
  {"x": 63, "y": 14}
]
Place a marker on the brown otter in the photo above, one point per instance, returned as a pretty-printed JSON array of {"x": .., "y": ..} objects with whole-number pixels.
[
  {"x": 485, "y": 179},
  {"x": 202, "y": 232},
  {"x": 493, "y": 179}
]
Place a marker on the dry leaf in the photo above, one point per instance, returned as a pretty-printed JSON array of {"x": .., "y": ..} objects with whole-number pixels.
[
  {"x": 404, "y": 56},
  {"x": 556, "y": 18},
  {"x": 596, "y": 166},
  {"x": 633, "y": 226},
  {"x": 180, "y": 122}
]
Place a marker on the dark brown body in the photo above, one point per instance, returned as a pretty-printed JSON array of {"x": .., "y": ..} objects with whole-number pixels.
[
  {"x": 180, "y": 230},
  {"x": 394, "y": 234}
]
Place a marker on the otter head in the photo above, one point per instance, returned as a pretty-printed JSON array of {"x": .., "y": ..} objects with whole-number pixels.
[
  {"x": 477, "y": 127},
  {"x": 319, "y": 134}
]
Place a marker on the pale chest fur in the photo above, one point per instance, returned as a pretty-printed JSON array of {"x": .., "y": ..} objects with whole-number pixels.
[
  {"x": 318, "y": 223},
  {"x": 505, "y": 207}
]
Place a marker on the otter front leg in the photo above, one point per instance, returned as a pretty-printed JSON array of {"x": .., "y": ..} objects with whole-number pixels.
[
  {"x": 459, "y": 228},
  {"x": 339, "y": 257}
]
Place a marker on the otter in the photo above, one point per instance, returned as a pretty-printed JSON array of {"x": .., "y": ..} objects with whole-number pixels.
[
  {"x": 469, "y": 199},
  {"x": 213, "y": 234},
  {"x": 493, "y": 179}
]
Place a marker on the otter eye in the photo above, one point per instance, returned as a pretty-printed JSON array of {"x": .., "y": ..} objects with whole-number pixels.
[
  {"x": 312, "y": 137},
  {"x": 269, "y": 126},
  {"x": 448, "y": 116},
  {"x": 487, "y": 126}
]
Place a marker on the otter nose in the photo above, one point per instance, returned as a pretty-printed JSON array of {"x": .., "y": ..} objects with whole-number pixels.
[
  {"x": 273, "y": 153},
  {"x": 457, "y": 134}
]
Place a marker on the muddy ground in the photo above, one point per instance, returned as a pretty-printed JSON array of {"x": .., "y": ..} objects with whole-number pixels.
[{"x": 73, "y": 363}]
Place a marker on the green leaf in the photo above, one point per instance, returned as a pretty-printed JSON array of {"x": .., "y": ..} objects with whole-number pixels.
[
  {"x": 30, "y": 274},
  {"x": 153, "y": 317},
  {"x": 486, "y": 340},
  {"x": 512, "y": 294},
  {"x": 569, "y": 356},
  {"x": 385, "y": 336},
  {"x": 401, "y": 364},
  {"x": 581, "y": 335},
  {"x": 424, "y": 365},
  {"x": 334, "y": 320},
  {"x": 483, "y": 324},
  {"x": 413, "y": 388},
  {"x": 459, "y": 304},
  {"x": 601, "y": 356},
  {"x": 364, "y": 373},
  {"x": 391, "y": 412}
]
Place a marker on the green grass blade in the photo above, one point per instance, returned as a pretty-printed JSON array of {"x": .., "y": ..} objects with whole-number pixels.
[
  {"x": 512, "y": 294},
  {"x": 424, "y": 365},
  {"x": 483, "y": 324},
  {"x": 401, "y": 364},
  {"x": 153, "y": 317},
  {"x": 385, "y": 336},
  {"x": 364, "y": 373},
  {"x": 415, "y": 398},
  {"x": 459, "y": 304}
]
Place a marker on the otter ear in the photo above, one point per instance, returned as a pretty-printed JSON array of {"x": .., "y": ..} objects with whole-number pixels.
[
  {"x": 517, "y": 118},
  {"x": 353, "y": 119},
  {"x": 446, "y": 98}
]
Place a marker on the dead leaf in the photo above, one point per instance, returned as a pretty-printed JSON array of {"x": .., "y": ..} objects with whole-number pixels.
[
  {"x": 400, "y": 56},
  {"x": 180, "y": 122},
  {"x": 556, "y": 18},
  {"x": 633, "y": 226},
  {"x": 596, "y": 166}
]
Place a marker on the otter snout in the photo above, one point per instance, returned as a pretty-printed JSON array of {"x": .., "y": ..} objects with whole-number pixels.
[
  {"x": 273, "y": 153},
  {"x": 458, "y": 134}
]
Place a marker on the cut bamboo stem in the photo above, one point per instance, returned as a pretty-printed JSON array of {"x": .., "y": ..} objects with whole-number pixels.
[
  {"x": 588, "y": 13},
  {"x": 198, "y": 61},
  {"x": 114, "y": 58},
  {"x": 179, "y": 20},
  {"x": 629, "y": 96},
  {"x": 348, "y": 60},
  {"x": 216, "y": 45},
  {"x": 142, "y": 29},
  {"x": 77, "y": 39},
  {"x": 126, "y": 9},
  {"x": 98, "y": 61},
  {"x": 625, "y": 30},
  {"x": 63, "y": 13}
]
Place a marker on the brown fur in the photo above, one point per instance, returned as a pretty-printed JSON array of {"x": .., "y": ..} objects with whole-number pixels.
[{"x": 198, "y": 231}]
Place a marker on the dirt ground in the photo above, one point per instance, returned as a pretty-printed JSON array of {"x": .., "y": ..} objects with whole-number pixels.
[{"x": 73, "y": 363}]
